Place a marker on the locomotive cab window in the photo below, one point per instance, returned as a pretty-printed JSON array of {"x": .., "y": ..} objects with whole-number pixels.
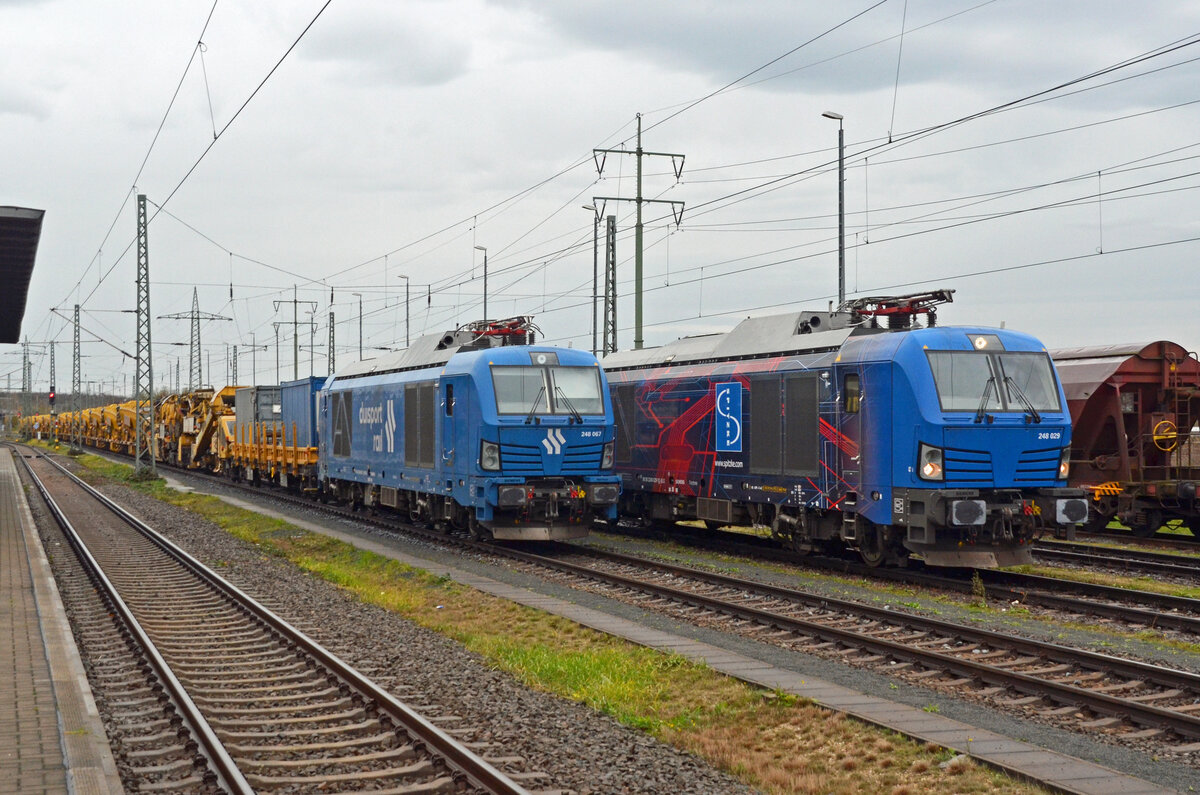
[
  {"x": 1003, "y": 381},
  {"x": 1029, "y": 380},
  {"x": 851, "y": 393},
  {"x": 573, "y": 391}
]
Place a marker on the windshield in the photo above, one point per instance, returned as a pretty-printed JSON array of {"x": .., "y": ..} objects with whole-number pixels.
[
  {"x": 1030, "y": 373},
  {"x": 547, "y": 390},
  {"x": 962, "y": 379},
  {"x": 989, "y": 382}
]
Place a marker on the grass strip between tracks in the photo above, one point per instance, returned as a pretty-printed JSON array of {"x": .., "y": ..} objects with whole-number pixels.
[{"x": 772, "y": 741}]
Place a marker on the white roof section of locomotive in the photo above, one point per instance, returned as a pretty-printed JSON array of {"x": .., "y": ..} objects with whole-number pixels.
[
  {"x": 423, "y": 352},
  {"x": 753, "y": 337}
]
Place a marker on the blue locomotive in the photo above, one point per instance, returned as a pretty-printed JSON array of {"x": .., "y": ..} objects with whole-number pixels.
[
  {"x": 949, "y": 442},
  {"x": 479, "y": 430}
]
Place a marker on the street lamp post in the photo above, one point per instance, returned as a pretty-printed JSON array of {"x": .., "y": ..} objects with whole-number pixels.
[
  {"x": 841, "y": 206},
  {"x": 359, "y": 325},
  {"x": 484, "y": 250},
  {"x": 595, "y": 267},
  {"x": 406, "y": 285}
]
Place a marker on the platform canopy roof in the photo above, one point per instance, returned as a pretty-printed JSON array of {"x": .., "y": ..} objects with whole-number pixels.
[{"x": 20, "y": 231}]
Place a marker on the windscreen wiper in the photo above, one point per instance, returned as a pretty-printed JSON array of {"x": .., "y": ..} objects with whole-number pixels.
[
  {"x": 566, "y": 401},
  {"x": 981, "y": 412},
  {"x": 1025, "y": 401},
  {"x": 537, "y": 399}
]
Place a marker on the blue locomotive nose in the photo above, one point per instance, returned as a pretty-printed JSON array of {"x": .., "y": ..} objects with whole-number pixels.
[{"x": 551, "y": 450}]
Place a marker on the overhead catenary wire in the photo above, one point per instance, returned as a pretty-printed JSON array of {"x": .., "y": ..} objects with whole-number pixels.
[
  {"x": 216, "y": 138},
  {"x": 535, "y": 263}
]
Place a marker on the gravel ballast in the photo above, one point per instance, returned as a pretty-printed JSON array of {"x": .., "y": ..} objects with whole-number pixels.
[
  {"x": 1128, "y": 761},
  {"x": 579, "y": 749}
]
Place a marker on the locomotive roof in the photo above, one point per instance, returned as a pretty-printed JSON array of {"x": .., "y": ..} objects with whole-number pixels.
[
  {"x": 423, "y": 352},
  {"x": 792, "y": 332}
]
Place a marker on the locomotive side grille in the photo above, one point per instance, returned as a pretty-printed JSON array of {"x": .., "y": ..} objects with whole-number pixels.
[
  {"x": 577, "y": 459},
  {"x": 968, "y": 466},
  {"x": 1039, "y": 465}
]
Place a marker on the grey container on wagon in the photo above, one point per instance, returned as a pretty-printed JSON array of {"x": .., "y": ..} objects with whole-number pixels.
[{"x": 254, "y": 405}]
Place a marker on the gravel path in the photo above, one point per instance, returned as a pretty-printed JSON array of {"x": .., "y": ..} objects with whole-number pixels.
[{"x": 580, "y": 749}]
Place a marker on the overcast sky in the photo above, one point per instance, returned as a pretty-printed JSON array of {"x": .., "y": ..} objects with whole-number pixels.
[{"x": 1040, "y": 158}]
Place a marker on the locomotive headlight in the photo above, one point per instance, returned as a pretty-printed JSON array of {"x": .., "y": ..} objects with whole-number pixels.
[
  {"x": 606, "y": 459},
  {"x": 489, "y": 456},
  {"x": 1064, "y": 464},
  {"x": 929, "y": 462}
]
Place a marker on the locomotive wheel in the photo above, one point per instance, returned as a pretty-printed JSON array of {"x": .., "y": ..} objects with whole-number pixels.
[
  {"x": 879, "y": 547},
  {"x": 1148, "y": 526},
  {"x": 477, "y": 531},
  {"x": 873, "y": 546}
]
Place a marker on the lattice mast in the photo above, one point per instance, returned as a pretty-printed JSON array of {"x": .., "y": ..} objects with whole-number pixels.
[
  {"x": 610, "y": 285},
  {"x": 76, "y": 382},
  {"x": 143, "y": 390}
]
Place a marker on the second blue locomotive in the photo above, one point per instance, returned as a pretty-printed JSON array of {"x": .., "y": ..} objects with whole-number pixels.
[
  {"x": 948, "y": 442},
  {"x": 475, "y": 430}
]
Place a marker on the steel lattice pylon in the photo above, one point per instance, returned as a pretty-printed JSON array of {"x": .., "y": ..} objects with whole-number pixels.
[
  {"x": 195, "y": 370},
  {"x": 195, "y": 377},
  {"x": 331, "y": 354},
  {"x": 610, "y": 285},
  {"x": 143, "y": 389},
  {"x": 53, "y": 411},
  {"x": 76, "y": 423}
]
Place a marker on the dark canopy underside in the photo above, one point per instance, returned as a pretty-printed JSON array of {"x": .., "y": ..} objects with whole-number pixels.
[{"x": 20, "y": 231}]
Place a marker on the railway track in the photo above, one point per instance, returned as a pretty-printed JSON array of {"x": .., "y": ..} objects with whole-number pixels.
[
  {"x": 1135, "y": 561},
  {"x": 209, "y": 691},
  {"x": 1072, "y": 598},
  {"x": 1123, "y": 605},
  {"x": 1091, "y": 692},
  {"x": 1181, "y": 541}
]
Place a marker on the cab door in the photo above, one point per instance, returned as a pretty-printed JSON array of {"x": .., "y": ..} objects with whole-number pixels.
[{"x": 449, "y": 406}]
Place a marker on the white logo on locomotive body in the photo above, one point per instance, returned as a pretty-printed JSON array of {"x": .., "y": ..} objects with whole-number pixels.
[
  {"x": 554, "y": 441},
  {"x": 370, "y": 415},
  {"x": 390, "y": 426}
]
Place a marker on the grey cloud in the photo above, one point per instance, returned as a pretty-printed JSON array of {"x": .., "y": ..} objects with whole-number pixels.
[
  {"x": 18, "y": 102},
  {"x": 391, "y": 48},
  {"x": 723, "y": 40}
]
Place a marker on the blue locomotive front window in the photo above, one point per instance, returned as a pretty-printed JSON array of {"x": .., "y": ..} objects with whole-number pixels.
[
  {"x": 1029, "y": 375},
  {"x": 992, "y": 382},
  {"x": 964, "y": 380},
  {"x": 578, "y": 388},
  {"x": 520, "y": 390},
  {"x": 548, "y": 390}
]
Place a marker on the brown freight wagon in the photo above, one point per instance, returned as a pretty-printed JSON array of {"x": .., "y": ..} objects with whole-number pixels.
[{"x": 1134, "y": 440}]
